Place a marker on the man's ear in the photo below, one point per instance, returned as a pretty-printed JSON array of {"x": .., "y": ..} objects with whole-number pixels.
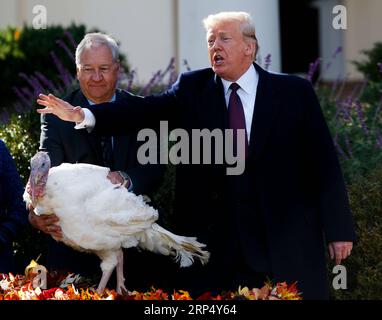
[
  {"x": 77, "y": 71},
  {"x": 250, "y": 48},
  {"x": 118, "y": 65}
]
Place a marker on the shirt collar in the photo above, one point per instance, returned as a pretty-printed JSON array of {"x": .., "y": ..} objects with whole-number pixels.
[
  {"x": 111, "y": 100},
  {"x": 246, "y": 81}
]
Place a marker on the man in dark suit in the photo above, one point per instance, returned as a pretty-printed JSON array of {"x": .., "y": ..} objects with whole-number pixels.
[
  {"x": 13, "y": 216},
  {"x": 97, "y": 72},
  {"x": 273, "y": 220}
]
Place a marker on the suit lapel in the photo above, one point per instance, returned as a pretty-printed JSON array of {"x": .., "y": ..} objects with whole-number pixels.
[{"x": 264, "y": 113}]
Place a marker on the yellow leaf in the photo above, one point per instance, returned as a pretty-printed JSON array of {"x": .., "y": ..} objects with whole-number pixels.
[{"x": 31, "y": 265}]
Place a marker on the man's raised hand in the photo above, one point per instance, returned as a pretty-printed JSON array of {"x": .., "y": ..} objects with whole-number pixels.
[{"x": 60, "y": 108}]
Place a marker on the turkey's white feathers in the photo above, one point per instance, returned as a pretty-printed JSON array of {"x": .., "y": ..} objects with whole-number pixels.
[
  {"x": 163, "y": 241},
  {"x": 96, "y": 215}
]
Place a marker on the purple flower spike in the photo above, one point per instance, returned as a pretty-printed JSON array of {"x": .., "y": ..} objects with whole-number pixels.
[
  {"x": 339, "y": 149},
  {"x": 71, "y": 39},
  {"x": 64, "y": 74},
  {"x": 378, "y": 138},
  {"x": 267, "y": 61},
  {"x": 63, "y": 45},
  {"x": 361, "y": 118},
  {"x": 379, "y": 67},
  {"x": 338, "y": 50},
  {"x": 45, "y": 81},
  {"x": 313, "y": 67},
  {"x": 21, "y": 97}
]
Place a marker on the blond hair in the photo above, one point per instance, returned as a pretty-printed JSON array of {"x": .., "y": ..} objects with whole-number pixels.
[{"x": 243, "y": 18}]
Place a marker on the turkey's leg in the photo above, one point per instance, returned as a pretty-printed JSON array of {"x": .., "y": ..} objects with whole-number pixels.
[
  {"x": 104, "y": 280},
  {"x": 120, "y": 278},
  {"x": 109, "y": 261}
]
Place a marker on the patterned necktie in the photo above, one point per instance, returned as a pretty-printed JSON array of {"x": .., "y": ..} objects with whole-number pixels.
[
  {"x": 236, "y": 117},
  {"x": 107, "y": 151}
]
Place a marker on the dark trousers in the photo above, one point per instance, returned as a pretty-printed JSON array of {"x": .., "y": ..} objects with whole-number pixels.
[
  {"x": 6, "y": 260},
  {"x": 216, "y": 277},
  {"x": 245, "y": 277}
]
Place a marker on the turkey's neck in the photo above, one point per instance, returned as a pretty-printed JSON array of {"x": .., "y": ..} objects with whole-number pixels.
[{"x": 38, "y": 189}]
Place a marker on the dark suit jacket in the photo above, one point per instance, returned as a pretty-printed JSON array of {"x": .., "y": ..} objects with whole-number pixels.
[
  {"x": 13, "y": 214},
  {"x": 291, "y": 197},
  {"x": 66, "y": 144}
]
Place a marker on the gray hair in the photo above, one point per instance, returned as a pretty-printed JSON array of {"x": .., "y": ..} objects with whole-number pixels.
[
  {"x": 244, "y": 18},
  {"x": 97, "y": 39}
]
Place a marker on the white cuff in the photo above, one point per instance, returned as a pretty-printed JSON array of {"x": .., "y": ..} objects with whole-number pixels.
[{"x": 89, "y": 121}]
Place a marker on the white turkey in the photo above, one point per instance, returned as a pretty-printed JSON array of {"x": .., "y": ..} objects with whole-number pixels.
[{"x": 99, "y": 217}]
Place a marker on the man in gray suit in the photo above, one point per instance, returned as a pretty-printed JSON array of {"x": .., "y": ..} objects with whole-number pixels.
[{"x": 97, "y": 62}]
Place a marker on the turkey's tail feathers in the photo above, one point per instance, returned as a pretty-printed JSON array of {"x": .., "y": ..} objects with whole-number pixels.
[{"x": 185, "y": 249}]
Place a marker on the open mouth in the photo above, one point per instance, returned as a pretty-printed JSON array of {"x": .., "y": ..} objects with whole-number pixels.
[{"x": 218, "y": 59}]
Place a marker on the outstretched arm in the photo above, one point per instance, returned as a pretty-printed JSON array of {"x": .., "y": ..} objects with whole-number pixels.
[
  {"x": 114, "y": 118},
  {"x": 129, "y": 114},
  {"x": 60, "y": 108}
]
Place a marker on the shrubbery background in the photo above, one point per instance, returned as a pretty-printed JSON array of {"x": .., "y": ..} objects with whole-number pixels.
[{"x": 355, "y": 119}]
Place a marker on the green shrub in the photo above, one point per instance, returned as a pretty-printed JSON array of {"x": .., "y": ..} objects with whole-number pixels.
[
  {"x": 371, "y": 67},
  {"x": 364, "y": 266},
  {"x": 22, "y": 136}
]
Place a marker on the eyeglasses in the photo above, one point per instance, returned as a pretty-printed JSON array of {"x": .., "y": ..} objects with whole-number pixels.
[{"x": 104, "y": 70}]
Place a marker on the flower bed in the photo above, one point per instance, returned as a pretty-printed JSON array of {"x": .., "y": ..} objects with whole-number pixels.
[{"x": 20, "y": 287}]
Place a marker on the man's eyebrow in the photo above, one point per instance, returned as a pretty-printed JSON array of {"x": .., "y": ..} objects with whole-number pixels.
[
  {"x": 223, "y": 33},
  {"x": 220, "y": 33},
  {"x": 101, "y": 65}
]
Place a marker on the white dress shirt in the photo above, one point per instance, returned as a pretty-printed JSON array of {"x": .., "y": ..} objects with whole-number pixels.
[
  {"x": 89, "y": 120},
  {"x": 248, "y": 88}
]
